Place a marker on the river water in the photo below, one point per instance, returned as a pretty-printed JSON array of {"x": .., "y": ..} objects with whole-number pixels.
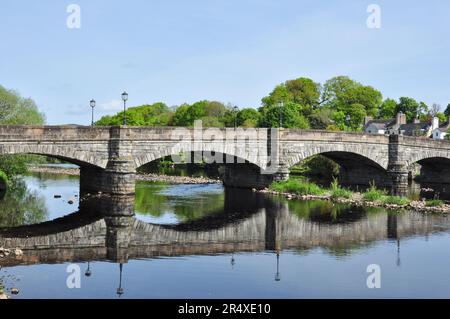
[{"x": 202, "y": 241}]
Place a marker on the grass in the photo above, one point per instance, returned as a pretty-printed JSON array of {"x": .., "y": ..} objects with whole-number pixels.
[
  {"x": 395, "y": 200},
  {"x": 339, "y": 192},
  {"x": 3, "y": 178},
  {"x": 304, "y": 187},
  {"x": 434, "y": 203},
  {"x": 297, "y": 186},
  {"x": 373, "y": 194}
]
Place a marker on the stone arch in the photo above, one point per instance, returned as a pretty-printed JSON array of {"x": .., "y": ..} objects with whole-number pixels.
[
  {"x": 426, "y": 155},
  {"x": 355, "y": 168},
  {"x": 67, "y": 153},
  {"x": 219, "y": 148},
  {"x": 372, "y": 154}
]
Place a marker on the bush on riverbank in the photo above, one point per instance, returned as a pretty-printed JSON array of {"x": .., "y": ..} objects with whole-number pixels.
[
  {"x": 373, "y": 194},
  {"x": 298, "y": 187},
  {"x": 434, "y": 203},
  {"x": 395, "y": 200},
  {"x": 339, "y": 192}
]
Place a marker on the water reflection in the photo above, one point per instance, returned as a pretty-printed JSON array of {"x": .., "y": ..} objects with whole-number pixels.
[
  {"x": 107, "y": 229},
  {"x": 20, "y": 205}
]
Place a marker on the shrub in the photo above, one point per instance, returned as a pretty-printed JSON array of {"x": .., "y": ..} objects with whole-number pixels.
[
  {"x": 339, "y": 192},
  {"x": 297, "y": 186},
  {"x": 395, "y": 200},
  {"x": 434, "y": 203},
  {"x": 3, "y": 178},
  {"x": 373, "y": 194}
]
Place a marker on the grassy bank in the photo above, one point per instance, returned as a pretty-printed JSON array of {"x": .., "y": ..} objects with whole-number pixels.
[{"x": 303, "y": 189}]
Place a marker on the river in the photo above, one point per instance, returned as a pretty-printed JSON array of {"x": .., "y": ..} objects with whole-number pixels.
[{"x": 202, "y": 241}]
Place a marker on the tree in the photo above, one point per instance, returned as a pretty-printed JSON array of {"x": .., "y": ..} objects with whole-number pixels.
[
  {"x": 321, "y": 118},
  {"x": 341, "y": 92},
  {"x": 157, "y": 114},
  {"x": 17, "y": 110},
  {"x": 186, "y": 114},
  {"x": 355, "y": 116},
  {"x": 248, "y": 117},
  {"x": 289, "y": 116},
  {"x": 409, "y": 107},
  {"x": 301, "y": 91},
  {"x": 447, "y": 110},
  {"x": 387, "y": 109}
]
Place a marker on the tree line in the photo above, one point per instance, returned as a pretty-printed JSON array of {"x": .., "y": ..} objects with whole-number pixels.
[{"x": 340, "y": 104}]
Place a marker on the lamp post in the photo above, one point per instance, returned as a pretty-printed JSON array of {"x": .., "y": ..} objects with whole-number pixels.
[
  {"x": 281, "y": 105},
  {"x": 88, "y": 272},
  {"x": 235, "y": 110},
  {"x": 124, "y": 99},
  {"x": 120, "y": 289},
  {"x": 92, "y": 104},
  {"x": 277, "y": 275}
]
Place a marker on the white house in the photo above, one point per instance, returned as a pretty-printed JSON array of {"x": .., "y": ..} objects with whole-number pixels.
[{"x": 440, "y": 131}]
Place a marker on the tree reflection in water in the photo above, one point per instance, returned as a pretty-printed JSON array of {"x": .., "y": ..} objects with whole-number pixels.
[
  {"x": 20, "y": 206},
  {"x": 186, "y": 202}
]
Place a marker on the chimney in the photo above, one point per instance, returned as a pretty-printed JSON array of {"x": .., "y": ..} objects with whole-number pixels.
[
  {"x": 435, "y": 123},
  {"x": 400, "y": 119},
  {"x": 367, "y": 119}
]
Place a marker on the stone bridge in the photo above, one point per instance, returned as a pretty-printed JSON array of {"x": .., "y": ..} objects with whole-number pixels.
[
  {"x": 90, "y": 235},
  {"x": 109, "y": 156}
]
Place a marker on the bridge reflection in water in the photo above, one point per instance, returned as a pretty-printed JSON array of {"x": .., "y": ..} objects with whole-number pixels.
[{"x": 106, "y": 230}]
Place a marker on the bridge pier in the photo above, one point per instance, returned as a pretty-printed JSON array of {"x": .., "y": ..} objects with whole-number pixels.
[
  {"x": 397, "y": 170},
  {"x": 117, "y": 179},
  {"x": 243, "y": 175}
]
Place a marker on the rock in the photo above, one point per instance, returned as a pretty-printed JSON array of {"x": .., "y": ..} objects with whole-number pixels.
[
  {"x": 14, "y": 291},
  {"x": 57, "y": 196},
  {"x": 18, "y": 252}
]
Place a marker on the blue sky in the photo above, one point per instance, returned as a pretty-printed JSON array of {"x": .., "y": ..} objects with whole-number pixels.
[{"x": 232, "y": 51}]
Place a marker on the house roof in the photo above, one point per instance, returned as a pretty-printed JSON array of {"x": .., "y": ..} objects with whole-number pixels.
[
  {"x": 411, "y": 127},
  {"x": 380, "y": 124}
]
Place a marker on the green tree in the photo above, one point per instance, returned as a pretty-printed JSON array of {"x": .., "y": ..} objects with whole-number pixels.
[
  {"x": 341, "y": 92},
  {"x": 157, "y": 114},
  {"x": 387, "y": 109},
  {"x": 16, "y": 110},
  {"x": 408, "y": 106},
  {"x": 289, "y": 115},
  {"x": 186, "y": 114},
  {"x": 355, "y": 116},
  {"x": 248, "y": 117},
  {"x": 321, "y": 118}
]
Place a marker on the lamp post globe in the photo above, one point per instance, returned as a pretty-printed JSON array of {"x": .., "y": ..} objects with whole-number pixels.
[
  {"x": 92, "y": 104},
  {"x": 124, "y": 99}
]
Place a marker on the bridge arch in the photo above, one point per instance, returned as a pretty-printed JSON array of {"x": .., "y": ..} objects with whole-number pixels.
[
  {"x": 355, "y": 168},
  {"x": 374, "y": 156},
  {"x": 65, "y": 153},
  {"x": 241, "y": 156}
]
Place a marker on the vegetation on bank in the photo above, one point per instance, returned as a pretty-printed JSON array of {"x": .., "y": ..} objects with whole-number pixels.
[
  {"x": 434, "y": 203},
  {"x": 298, "y": 187},
  {"x": 372, "y": 195}
]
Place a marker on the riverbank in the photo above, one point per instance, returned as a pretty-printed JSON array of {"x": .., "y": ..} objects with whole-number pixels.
[
  {"x": 140, "y": 177},
  {"x": 5, "y": 253},
  {"x": 303, "y": 190}
]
